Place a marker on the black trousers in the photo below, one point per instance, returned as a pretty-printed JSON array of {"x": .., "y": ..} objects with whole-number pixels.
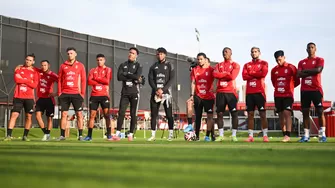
[
  {"x": 125, "y": 100},
  {"x": 154, "y": 107}
]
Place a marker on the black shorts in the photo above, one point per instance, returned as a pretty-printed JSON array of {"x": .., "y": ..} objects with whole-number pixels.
[
  {"x": 27, "y": 104},
  {"x": 253, "y": 100},
  {"x": 95, "y": 101},
  {"x": 207, "y": 105},
  {"x": 283, "y": 103},
  {"x": 306, "y": 97},
  {"x": 47, "y": 105},
  {"x": 65, "y": 100},
  {"x": 224, "y": 99}
]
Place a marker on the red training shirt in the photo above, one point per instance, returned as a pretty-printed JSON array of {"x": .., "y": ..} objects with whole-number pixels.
[
  {"x": 311, "y": 83},
  {"x": 254, "y": 72},
  {"x": 99, "y": 79},
  {"x": 226, "y": 73},
  {"x": 284, "y": 79},
  {"x": 46, "y": 83},
  {"x": 72, "y": 78},
  {"x": 204, "y": 79},
  {"x": 26, "y": 79}
]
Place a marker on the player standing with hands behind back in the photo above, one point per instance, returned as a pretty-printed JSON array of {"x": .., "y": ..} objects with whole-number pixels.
[
  {"x": 254, "y": 72},
  {"x": 71, "y": 90},
  {"x": 284, "y": 79}
]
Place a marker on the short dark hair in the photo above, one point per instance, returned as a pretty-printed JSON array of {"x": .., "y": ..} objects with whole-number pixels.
[
  {"x": 100, "y": 55},
  {"x": 133, "y": 48},
  {"x": 45, "y": 61},
  {"x": 255, "y": 48},
  {"x": 226, "y": 48},
  {"x": 279, "y": 53},
  {"x": 31, "y": 55},
  {"x": 311, "y": 43},
  {"x": 202, "y": 54},
  {"x": 161, "y": 50},
  {"x": 71, "y": 48}
]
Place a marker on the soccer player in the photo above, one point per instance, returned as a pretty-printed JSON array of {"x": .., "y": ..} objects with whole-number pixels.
[
  {"x": 71, "y": 90},
  {"x": 190, "y": 103},
  {"x": 45, "y": 94},
  {"x": 161, "y": 76},
  {"x": 99, "y": 79},
  {"x": 202, "y": 95},
  {"x": 310, "y": 69},
  {"x": 254, "y": 72},
  {"x": 129, "y": 73},
  {"x": 26, "y": 80},
  {"x": 226, "y": 73},
  {"x": 284, "y": 79}
]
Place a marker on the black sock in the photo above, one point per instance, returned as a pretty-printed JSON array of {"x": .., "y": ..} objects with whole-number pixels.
[
  {"x": 44, "y": 130},
  {"x": 213, "y": 133},
  {"x": 47, "y": 131},
  {"x": 89, "y": 134},
  {"x": 9, "y": 132},
  {"x": 288, "y": 133},
  {"x": 189, "y": 120},
  {"x": 80, "y": 132},
  {"x": 26, "y": 131},
  {"x": 62, "y": 132},
  {"x": 208, "y": 132},
  {"x": 109, "y": 131},
  {"x": 284, "y": 133}
]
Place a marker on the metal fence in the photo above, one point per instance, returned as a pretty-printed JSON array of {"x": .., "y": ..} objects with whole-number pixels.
[{"x": 20, "y": 37}]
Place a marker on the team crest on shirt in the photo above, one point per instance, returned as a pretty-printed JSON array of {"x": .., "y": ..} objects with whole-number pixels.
[
  {"x": 48, "y": 77},
  {"x": 285, "y": 71},
  {"x": 31, "y": 75},
  {"x": 313, "y": 62},
  {"x": 304, "y": 63},
  {"x": 165, "y": 67},
  {"x": 103, "y": 72},
  {"x": 276, "y": 72},
  {"x": 230, "y": 66},
  {"x": 259, "y": 66},
  {"x": 76, "y": 66},
  {"x": 206, "y": 73},
  {"x": 133, "y": 66}
]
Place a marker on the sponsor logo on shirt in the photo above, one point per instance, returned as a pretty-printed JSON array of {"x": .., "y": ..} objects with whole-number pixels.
[
  {"x": 71, "y": 73},
  {"x": 281, "y": 79},
  {"x": 202, "y": 81},
  {"x": 202, "y": 86},
  {"x": 253, "y": 84},
  {"x": 160, "y": 75}
]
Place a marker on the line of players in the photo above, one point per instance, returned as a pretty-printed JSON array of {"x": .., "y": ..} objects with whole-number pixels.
[
  {"x": 72, "y": 86},
  {"x": 284, "y": 77},
  {"x": 72, "y": 82}
]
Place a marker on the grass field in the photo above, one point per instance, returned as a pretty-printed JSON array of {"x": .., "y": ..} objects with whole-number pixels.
[{"x": 164, "y": 164}]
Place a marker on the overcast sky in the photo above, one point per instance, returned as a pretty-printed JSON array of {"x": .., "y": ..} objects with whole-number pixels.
[{"x": 240, "y": 24}]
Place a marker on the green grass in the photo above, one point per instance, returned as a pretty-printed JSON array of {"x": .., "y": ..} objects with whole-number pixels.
[{"x": 164, "y": 164}]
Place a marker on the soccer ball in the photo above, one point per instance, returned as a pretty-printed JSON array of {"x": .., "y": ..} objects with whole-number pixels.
[{"x": 190, "y": 136}]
